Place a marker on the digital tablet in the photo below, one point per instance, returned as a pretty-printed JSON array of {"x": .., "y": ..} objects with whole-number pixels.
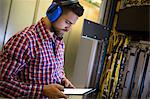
[{"x": 77, "y": 91}]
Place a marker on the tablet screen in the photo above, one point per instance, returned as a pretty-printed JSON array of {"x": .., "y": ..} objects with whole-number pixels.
[{"x": 76, "y": 91}]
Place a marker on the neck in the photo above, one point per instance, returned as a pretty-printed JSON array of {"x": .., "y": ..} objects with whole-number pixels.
[
  {"x": 48, "y": 26},
  {"x": 47, "y": 23}
]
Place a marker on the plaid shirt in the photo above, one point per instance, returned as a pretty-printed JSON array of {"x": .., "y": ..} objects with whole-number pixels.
[{"x": 28, "y": 62}]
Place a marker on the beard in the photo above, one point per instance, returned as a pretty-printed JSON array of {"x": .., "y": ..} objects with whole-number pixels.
[{"x": 57, "y": 33}]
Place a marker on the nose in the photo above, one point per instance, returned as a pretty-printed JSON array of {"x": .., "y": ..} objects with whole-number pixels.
[
  {"x": 68, "y": 28},
  {"x": 68, "y": 25}
]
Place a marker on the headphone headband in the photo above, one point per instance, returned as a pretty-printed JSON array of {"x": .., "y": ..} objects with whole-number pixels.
[
  {"x": 65, "y": 2},
  {"x": 68, "y": 2}
]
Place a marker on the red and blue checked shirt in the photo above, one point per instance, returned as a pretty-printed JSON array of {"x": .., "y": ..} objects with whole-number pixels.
[{"x": 28, "y": 62}]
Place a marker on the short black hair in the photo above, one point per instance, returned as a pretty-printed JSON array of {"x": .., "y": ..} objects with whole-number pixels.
[{"x": 77, "y": 8}]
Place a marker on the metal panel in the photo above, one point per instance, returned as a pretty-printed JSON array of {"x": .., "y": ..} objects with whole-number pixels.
[
  {"x": 21, "y": 16},
  {"x": 138, "y": 73},
  {"x": 94, "y": 30},
  {"x": 146, "y": 90},
  {"x": 129, "y": 72},
  {"x": 4, "y": 10},
  {"x": 83, "y": 65}
]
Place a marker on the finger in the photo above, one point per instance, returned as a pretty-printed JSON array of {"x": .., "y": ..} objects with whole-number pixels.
[
  {"x": 71, "y": 85},
  {"x": 60, "y": 87},
  {"x": 61, "y": 95},
  {"x": 63, "y": 83},
  {"x": 67, "y": 84}
]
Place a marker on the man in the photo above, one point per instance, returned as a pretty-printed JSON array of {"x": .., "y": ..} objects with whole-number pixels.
[{"x": 31, "y": 62}]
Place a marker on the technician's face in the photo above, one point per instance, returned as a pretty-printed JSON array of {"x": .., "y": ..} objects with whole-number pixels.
[{"x": 64, "y": 23}]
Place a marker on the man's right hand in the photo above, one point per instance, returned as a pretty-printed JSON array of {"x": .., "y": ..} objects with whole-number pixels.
[{"x": 54, "y": 91}]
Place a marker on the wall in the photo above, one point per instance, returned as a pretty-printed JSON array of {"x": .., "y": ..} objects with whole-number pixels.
[
  {"x": 21, "y": 16},
  {"x": 4, "y": 12}
]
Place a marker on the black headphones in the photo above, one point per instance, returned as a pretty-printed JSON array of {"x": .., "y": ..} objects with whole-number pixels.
[
  {"x": 55, "y": 9},
  {"x": 68, "y": 2}
]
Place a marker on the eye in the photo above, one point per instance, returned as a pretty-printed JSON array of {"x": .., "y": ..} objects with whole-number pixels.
[{"x": 68, "y": 22}]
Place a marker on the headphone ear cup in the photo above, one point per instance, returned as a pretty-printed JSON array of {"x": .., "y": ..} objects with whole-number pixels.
[{"x": 54, "y": 12}]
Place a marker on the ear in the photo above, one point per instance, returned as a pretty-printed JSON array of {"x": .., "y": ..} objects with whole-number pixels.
[{"x": 54, "y": 12}]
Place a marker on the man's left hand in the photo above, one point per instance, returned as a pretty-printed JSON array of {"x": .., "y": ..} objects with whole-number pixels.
[{"x": 67, "y": 83}]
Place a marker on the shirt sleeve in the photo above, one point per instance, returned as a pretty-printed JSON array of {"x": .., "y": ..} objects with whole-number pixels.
[{"x": 13, "y": 57}]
